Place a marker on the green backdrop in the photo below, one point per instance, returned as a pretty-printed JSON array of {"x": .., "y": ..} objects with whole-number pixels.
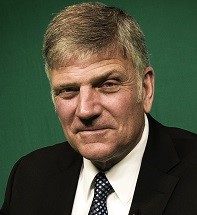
[{"x": 27, "y": 117}]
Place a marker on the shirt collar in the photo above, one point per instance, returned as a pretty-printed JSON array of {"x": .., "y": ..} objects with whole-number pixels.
[
  {"x": 124, "y": 174},
  {"x": 89, "y": 171}
]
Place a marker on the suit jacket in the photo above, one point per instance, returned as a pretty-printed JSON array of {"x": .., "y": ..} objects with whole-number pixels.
[{"x": 44, "y": 182}]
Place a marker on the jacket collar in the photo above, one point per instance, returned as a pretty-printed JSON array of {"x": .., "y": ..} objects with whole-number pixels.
[{"x": 155, "y": 185}]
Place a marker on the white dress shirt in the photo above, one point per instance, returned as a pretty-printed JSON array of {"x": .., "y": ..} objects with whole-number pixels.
[{"x": 123, "y": 177}]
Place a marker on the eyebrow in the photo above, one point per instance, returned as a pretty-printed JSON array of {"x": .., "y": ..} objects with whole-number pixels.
[
  {"x": 94, "y": 80},
  {"x": 102, "y": 78}
]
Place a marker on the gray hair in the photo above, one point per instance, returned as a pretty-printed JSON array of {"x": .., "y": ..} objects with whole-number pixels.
[{"x": 85, "y": 29}]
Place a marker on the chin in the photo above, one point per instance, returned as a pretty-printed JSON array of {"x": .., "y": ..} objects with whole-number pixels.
[{"x": 97, "y": 153}]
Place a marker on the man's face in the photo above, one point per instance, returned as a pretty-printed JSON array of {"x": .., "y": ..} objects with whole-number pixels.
[{"x": 97, "y": 103}]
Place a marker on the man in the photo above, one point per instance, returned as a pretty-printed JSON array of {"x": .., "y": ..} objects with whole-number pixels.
[{"x": 102, "y": 87}]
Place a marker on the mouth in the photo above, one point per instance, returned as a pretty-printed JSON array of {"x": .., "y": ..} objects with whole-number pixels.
[{"x": 91, "y": 131}]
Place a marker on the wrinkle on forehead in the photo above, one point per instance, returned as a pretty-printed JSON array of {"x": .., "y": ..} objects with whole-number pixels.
[
  {"x": 91, "y": 69},
  {"x": 104, "y": 54},
  {"x": 93, "y": 65}
]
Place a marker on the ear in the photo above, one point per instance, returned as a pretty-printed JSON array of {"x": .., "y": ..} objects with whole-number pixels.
[{"x": 148, "y": 89}]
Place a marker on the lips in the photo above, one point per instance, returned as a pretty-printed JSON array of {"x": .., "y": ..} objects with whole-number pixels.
[
  {"x": 93, "y": 135},
  {"x": 97, "y": 128},
  {"x": 92, "y": 129},
  {"x": 78, "y": 127}
]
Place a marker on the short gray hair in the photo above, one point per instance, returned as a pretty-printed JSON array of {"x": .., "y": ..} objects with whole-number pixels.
[{"x": 93, "y": 28}]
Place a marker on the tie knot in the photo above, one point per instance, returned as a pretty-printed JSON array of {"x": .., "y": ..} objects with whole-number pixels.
[{"x": 102, "y": 186}]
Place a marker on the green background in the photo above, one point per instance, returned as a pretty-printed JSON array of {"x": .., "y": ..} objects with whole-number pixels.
[{"x": 27, "y": 118}]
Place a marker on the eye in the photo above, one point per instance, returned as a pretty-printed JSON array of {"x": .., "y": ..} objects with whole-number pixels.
[
  {"x": 110, "y": 86},
  {"x": 67, "y": 92}
]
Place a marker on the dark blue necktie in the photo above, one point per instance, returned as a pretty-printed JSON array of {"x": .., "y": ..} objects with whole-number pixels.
[{"x": 102, "y": 189}]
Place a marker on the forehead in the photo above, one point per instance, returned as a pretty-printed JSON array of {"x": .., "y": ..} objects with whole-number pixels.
[{"x": 91, "y": 67}]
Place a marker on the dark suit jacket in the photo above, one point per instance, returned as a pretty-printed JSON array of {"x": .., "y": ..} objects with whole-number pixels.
[{"x": 44, "y": 182}]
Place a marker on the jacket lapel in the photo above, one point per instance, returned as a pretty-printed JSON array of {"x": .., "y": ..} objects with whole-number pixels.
[
  {"x": 61, "y": 188},
  {"x": 155, "y": 185}
]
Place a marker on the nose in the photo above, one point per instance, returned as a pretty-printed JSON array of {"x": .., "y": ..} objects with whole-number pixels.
[{"x": 88, "y": 104}]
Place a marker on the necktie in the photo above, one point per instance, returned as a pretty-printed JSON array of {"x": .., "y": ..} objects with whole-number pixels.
[{"x": 102, "y": 189}]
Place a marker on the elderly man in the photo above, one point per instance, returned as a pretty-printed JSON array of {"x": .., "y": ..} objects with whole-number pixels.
[{"x": 117, "y": 158}]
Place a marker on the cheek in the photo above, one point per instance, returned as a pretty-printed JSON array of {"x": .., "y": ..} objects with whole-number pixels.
[
  {"x": 127, "y": 112},
  {"x": 65, "y": 110},
  {"x": 122, "y": 104}
]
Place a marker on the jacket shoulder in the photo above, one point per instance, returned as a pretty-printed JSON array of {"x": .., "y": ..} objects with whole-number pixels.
[
  {"x": 184, "y": 142},
  {"x": 49, "y": 160},
  {"x": 181, "y": 133}
]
